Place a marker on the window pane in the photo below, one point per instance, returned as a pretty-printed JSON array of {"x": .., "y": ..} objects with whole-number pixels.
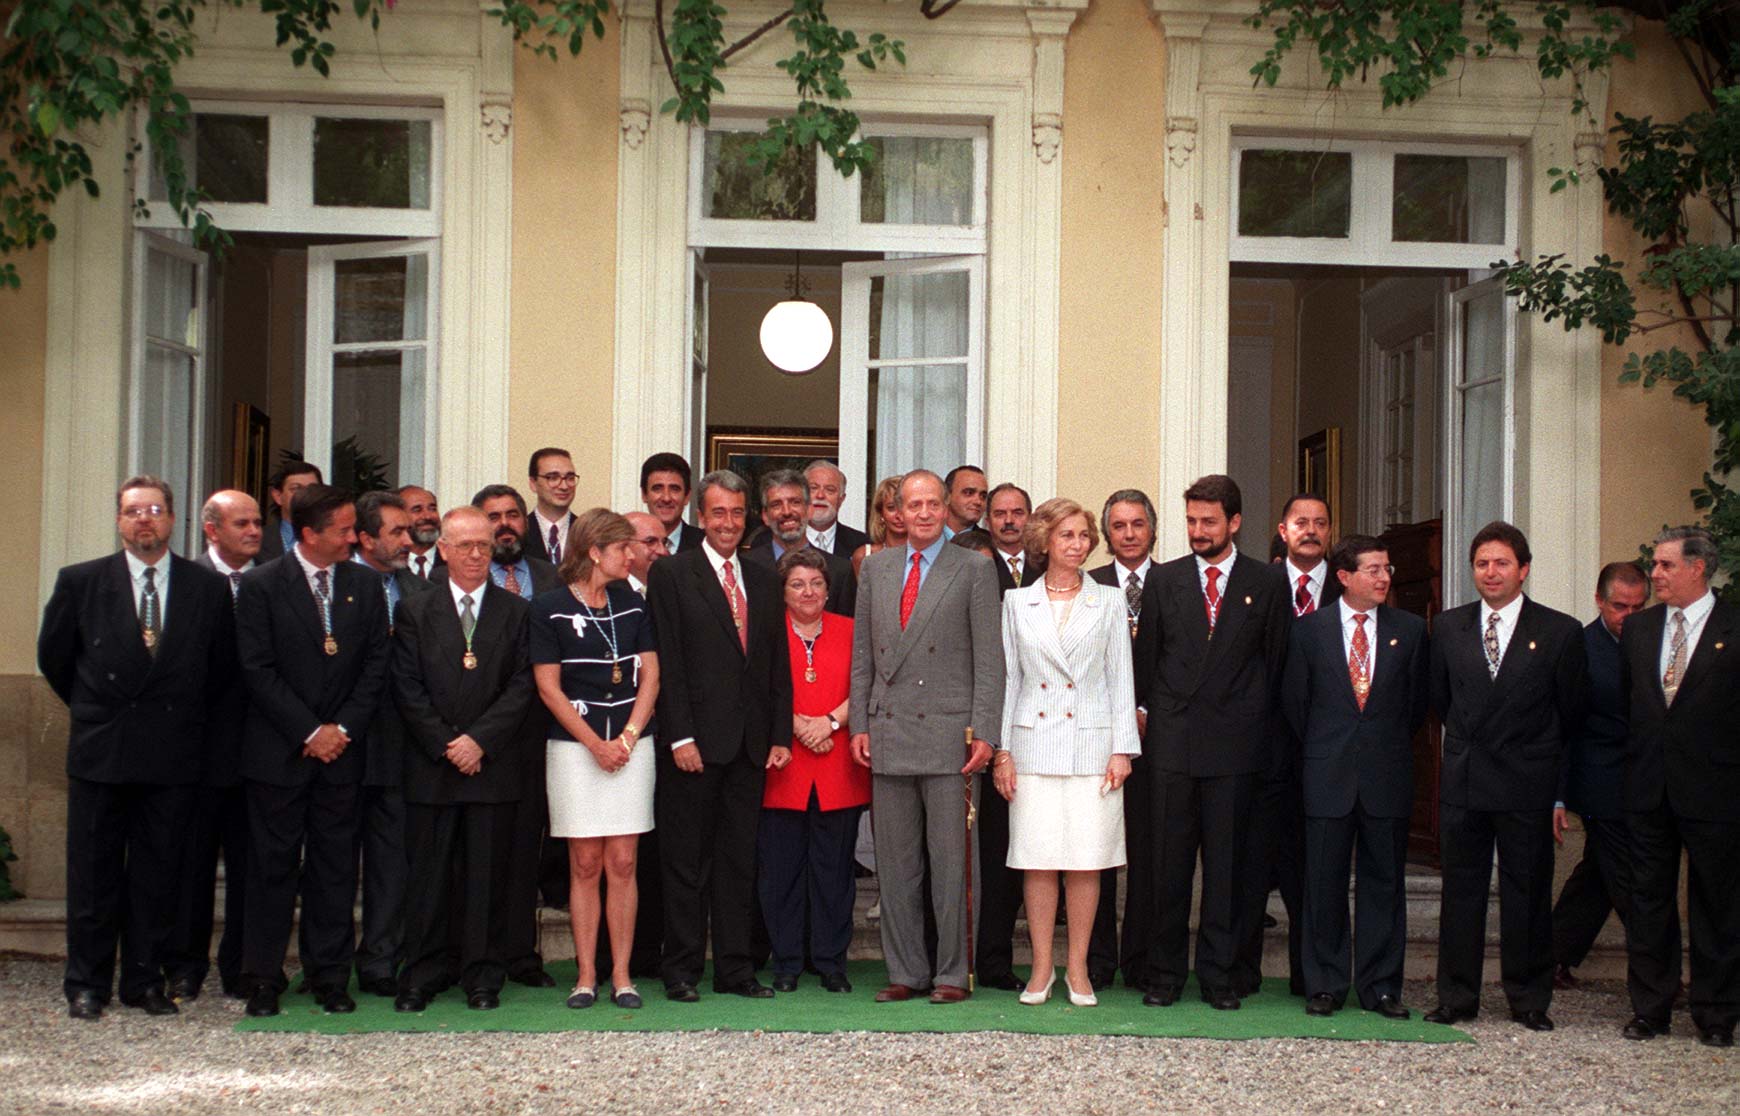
[
  {"x": 736, "y": 190},
  {"x": 230, "y": 162},
  {"x": 171, "y": 299},
  {"x": 918, "y": 316},
  {"x": 166, "y": 419},
  {"x": 377, "y": 406},
  {"x": 918, "y": 180},
  {"x": 381, "y": 299},
  {"x": 921, "y": 417},
  {"x": 1295, "y": 193},
  {"x": 381, "y": 164},
  {"x": 1449, "y": 199}
]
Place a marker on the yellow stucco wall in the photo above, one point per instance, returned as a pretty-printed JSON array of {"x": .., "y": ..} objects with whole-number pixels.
[{"x": 24, "y": 327}]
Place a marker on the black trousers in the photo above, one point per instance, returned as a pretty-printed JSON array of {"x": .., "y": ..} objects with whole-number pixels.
[
  {"x": 806, "y": 881},
  {"x": 301, "y": 837},
  {"x": 707, "y": 823},
  {"x": 125, "y": 844},
  {"x": 459, "y": 855},
  {"x": 1191, "y": 815},
  {"x": 1273, "y": 857},
  {"x": 1600, "y": 885},
  {"x": 998, "y": 886},
  {"x": 532, "y": 853},
  {"x": 384, "y": 873},
  {"x": 1140, "y": 879},
  {"x": 1713, "y": 917},
  {"x": 1524, "y": 842},
  {"x": 649, "y": 919},
  {"x": 219, "y": 826},
  {"x": 1371, "y": 959}
]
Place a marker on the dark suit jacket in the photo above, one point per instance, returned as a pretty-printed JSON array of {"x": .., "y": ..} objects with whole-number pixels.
[
  {"x": 709, "y": 689},
  {"x": 384, "y": 756},
  {"x": 691, "y": 539},
  {"x": 271, "y": 540},
  {"x": 1031, "y": 569},
  {"x": 1505, "y": 737},
  {"x": 440, "y": 700},
  {"x": 1211, "y": 702},
  {"x": 1352, "y": 754},
  {"x": 1595, "y": 769},
  {"x": 1688, "y": 755},
  {"x": 436, "y": 562},
  {"x": 537, "y": 546},
  {"x": 847, "y": 540},
  {"x": 294, "y": 687},
  {"x": 1113, "y": 574},
  {"x": 842, "y": 582},
  {"x": 136, "y": 717},
  {"x": 229, "y": 708},
  {"x": 1331, "y": 586}
]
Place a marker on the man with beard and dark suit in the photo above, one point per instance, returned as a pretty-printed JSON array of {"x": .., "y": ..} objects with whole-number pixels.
[
  {"x": 311, "y": 637},
  {"x": 1681, "y": 662},
  {"x": 552, "y": 477},
  {"x": 827, "y": 494},
  {"x": 277, "y": 538},
  {"x": 785, "y": 501},
  {"x": 425, "y": 513},
  {"x": 1354, "y": 692},
  {"x": 724, "y": 701},
  {"x": 136, "y": 644},
  {"x": 231, "y": 524},
  {"x": 540, "y": 863},
  {"x": 383, "y": 527},
  {"x": 1508, "y": 683},
  {"x": 463, "y": 682},
  {"x": 664, "y": 489},
  {"x": 1212, "y": 640},
  {"x": 1128, "y": 523},
  {"x": 1601, "y": 883}
]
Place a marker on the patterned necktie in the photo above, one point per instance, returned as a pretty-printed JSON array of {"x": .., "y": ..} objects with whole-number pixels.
[
  {"x": 1302, "y": 602},
  {"x": 1491, "y": 641},
  {"x": 150, "y": 611},
  {"x": 734, "y": 597},
  {"x": 510, "y": 581},
  {"x": 387, "y": 592},
  {"x": 909, "y": 592},
  {"x": 1133, "y": 594},
  {"x": 1015, "y": 569},
  {"x": 1676, "y": 670},
  {"x": 323, "y": 597},
  {"x": 467, "y": 618},
  {"x": 235, "y": 586},
  {"x": 555, "y": 546},
  {"x": 1211, "y": 597},
  {"x": 1359, "y": 662}
]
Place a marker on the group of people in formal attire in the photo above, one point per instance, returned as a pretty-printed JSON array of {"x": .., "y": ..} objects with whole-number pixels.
[{"x": 677, "y": 730}]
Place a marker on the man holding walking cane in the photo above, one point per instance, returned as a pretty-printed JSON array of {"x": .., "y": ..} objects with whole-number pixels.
[{"x": 927, "y": 665}]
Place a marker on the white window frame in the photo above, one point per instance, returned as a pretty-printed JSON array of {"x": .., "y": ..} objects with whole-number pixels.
[
  {"x": 1457, "y": 533},
  {"x": 289, "y": 205},
  {"x": 187, "y": 523},
  {"x": 1371, "y": 213}
]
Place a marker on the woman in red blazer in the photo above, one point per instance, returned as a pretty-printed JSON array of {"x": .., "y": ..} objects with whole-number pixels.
[{"x": 814, "y": 793}]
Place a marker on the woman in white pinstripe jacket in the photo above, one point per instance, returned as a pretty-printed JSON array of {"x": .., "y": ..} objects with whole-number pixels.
[{"x": 1069, "y": 732}]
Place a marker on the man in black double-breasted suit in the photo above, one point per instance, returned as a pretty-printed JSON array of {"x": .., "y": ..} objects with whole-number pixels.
[
  {"x": 724, "y": 699},
  {"x": 465, "y": 743},
  {"x": 311, "y": 636},
  {"x": 1208, "y": 656},
  {"x": 136, "y": 644},
  {"x": 1354, "y": 693},
  {"x": 1681, "y": 672},
  {"x": 1508, "y": 683}
]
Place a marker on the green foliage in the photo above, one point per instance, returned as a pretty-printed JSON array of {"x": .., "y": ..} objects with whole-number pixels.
[{"x": 352, "y": 467}]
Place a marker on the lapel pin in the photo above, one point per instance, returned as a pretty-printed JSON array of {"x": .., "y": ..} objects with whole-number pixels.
[
  {"x": 1531, "y": 645},
  {"x": 1718, "y": 646},
  {"x": 1247, "y": 600},
  {"x": 348, "y": 600},
  {"x": 1393, "y": 642}
]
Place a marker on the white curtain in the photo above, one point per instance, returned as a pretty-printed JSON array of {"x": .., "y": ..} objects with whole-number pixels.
[{"x": 1480, "y": 499}]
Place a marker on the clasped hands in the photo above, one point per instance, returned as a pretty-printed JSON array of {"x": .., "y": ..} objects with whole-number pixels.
[
  {"x": 612, "y": 754},
  {"x": 1003, "y": 774},
  {"x": 465, "y": 754},
  {"x": 327, "y": 743},
  {"x": 814, "y": 733}
]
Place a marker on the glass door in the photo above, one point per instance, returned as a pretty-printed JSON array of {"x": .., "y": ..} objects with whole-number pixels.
[
  {"x": 1480, "y": 431},
  {"x": 166, "y": 418}
]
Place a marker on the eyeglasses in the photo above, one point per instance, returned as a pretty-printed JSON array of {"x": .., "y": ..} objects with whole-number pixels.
[
  {"x": 652, "y": 540},
  {"x": 477, "y": 547},
  {"x": 144, "y": 511},
  {"x": 1378, "y": 571},
  {"x": 558, "y": 478}
]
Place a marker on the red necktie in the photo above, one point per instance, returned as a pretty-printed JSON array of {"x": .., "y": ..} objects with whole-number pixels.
[
  {"x": 1211, "y": 601},
  {"x": 1359, "y": 662},
  {"x": 909, "y": 594},
  {"x": 510, "y": 580},
  {"x": 1302, "y": 602},
  {"x": 734, "y": 598}
]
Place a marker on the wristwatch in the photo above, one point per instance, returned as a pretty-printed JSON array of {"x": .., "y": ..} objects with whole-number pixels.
[{"x": 833, "y": 722}]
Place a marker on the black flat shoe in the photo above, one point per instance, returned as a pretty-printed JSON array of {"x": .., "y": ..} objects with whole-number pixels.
[
  {"x": 835, "y": 982},
  {"x": 184, "y": 990},
  {"x": 410, "y": 1001},
  {"x": 87, "y": 1006},
  {"x": 1221, "y": 999},
  {"x": 152, "y": 1002},
  {"x": 1164, "y": 996},
  {"x": 749, "y": 988},
  {"x": 262, "y": 1003},
  {"x": 483, "y": 999},
  {"x": 337, "y": 1002},
  {"x": 1391, "y": 1008},
  {"x": 1716, "y": 1036},
  {"x": 682, "y": 992},
  {"x": 1449, "y": 1017},
  {"x": 1321, "y": 1004},
  {"x": 582, "y": 997},
  {"x": 625, "y": 997},
  {"x": 1642, "y": 1030},
  {"x": 534, "y": 978},
  {"x": 784, "y": 982},
  {"x": 1533, "y": 1020}
]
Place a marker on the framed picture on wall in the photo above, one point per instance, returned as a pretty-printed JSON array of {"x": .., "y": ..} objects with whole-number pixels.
[
  {"x": 1320, "y": 468},
  {"x": 752, "y": 453},
  {"x": 249, "y": 467}
]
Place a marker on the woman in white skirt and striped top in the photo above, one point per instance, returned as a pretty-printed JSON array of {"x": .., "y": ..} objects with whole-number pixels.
[{"x": 1069, "y": 733}]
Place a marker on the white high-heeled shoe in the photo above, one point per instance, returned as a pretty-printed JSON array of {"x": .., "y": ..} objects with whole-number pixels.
[
  {"x": 1081, "y": 999},
  {"x": 1044, "y": 994}
]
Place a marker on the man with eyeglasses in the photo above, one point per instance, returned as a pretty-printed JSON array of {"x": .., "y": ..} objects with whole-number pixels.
[
  {"x": 1354, "y": 692},
  {"x": 553, "y": 482},
  {"x": 648, "y": 547},
  {"x": 136, "y": 644}
]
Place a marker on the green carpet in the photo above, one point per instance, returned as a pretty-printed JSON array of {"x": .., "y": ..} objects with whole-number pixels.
[{"x": 1270, "y": 1014}]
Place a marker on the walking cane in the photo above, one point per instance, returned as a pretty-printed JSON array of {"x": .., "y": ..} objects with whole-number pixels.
[{"x": 972, "y": 812}]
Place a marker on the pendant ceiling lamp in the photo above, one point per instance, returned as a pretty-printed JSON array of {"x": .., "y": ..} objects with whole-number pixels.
[{"x": 796, "y": 334}]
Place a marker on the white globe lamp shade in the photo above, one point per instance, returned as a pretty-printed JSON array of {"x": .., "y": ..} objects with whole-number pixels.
[{"x": 796, "y": 336}]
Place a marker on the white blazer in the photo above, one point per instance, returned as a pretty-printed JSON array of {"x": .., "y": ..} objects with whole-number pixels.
[{"x": 1069, "y": 695}]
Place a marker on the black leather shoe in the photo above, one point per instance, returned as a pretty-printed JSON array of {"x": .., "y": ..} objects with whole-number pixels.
[
  {"x": 1391, "y": 1008},
  {"x": 1642, "y": 1030},
  {"x": 1449, "y": 1016},
  {"x": 1163, "y": 996},
  {"x": 1716, "y": 1036},
  {"x": 152, "y": 1001},
  {"x": 750, "y": 989},
  {"x": 336, "y": 1002},
  {"x": 1221, "y": 999},
  {"x": 784, "y": 982},
  {"x": 835, "y": 982},
  {"x": 85, "y": 1005},
  {"x": 682, "y": 992},
  {"x": 483, "y": 999},
  {"x": 263, "y": 1002},
  {"x": 411, "y": 1000},
  {"x": 1321, "y": 1004},
  {"x": 1002, "y": 982},
  {"x": 379, "y": 986},
  {"x": 1101, "y": 979},
  {"x": 1533, "y": 1020},
  {"x": 184, "y": 990},
  {"x": 533, "y": 978}
]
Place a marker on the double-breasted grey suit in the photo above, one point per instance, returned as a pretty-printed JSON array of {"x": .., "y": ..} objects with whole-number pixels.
[{"x": 916, "y": 691}]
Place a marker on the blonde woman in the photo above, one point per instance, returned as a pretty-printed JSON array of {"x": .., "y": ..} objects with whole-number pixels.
[{"x": 887, "y": 522}]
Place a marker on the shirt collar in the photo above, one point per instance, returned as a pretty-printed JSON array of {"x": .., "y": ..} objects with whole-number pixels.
[
  {"x": 223, "y": 567},
  {"x": 136, "y": 568},
  {"x": 1224, "y": 565},
  {"x": 1348, "y": 612},
  {"x": 1507, "y": 616},
  {"x": 674, "y": 537},
  {"x": 1315, "y": 575},
  {"x": 718, "y": 561},
  {"x": 544, "y": 525},
  {"x": 930, "y": 552},
  {"x": 824, "y": 540},
  {"x": 1005, "y": 557},
  {"x": 475, "y": 594},
  {"x": 1695, "y": 612},
  {"x": 637, "y": 584},
  {"x": 308, "y": 568},
  {"x": 1140, "y": 571}
]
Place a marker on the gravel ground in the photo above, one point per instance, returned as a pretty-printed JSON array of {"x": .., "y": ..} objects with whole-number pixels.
[{"x": 195, "y": 1063}]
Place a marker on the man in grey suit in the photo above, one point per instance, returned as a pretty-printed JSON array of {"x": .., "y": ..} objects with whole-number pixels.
[{"x": 927, "y": 678}]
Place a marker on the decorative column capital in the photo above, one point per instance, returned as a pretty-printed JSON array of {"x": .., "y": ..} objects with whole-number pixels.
[{"x": 636, "y": 118}]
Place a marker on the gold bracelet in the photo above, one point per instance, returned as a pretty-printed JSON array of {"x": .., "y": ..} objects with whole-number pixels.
[
  {"x": 630, "y": 733},
  {"x": 1002, "y": 754}
]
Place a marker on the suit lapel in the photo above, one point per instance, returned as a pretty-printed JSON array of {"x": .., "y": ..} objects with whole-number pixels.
[
  {"x": 935, "y": 585},
  {"x": 712, "y": 591},
  {"x": 1234, "y": 607},
  {"x": 1083, "y": 620},
  {"x": 1718, "y": 630},
  {"x": 1518, "y": 654},
  {"x": 1036, "y": 617},
  {"x": 1334, "y": 650},
  {"x": 301, "y": 596},
  {"x": 1186, "y": 589},
  {"x": 122, "y": 614}
]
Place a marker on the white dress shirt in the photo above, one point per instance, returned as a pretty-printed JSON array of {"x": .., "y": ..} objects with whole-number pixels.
[
  {"x": 1697, "y": 613},
  {"x": 136, "y": 571},
  {"x": 459, "y": 596},
  {"x": 1140, "y": 571},
  {"x": 223, "y": 568},
  {"x": 543, "y": 527},
  {"x": 309, "y": 569},
  {"x": 423, "y": 564},
  {"x": 1016, "y": 563},
  {"x": 1507, "y": 617},
  {"x": 637, "y": 585},
  {"x": 674, "y": 537},
  {"x": 1313, "y": 582},
  {"x": 823, "y": 540},
  {"x": 1225, "y": 566},
  {"x": 1348, "y": 627}
]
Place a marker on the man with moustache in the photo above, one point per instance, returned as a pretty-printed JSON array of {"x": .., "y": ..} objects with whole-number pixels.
[
  {"x": 553, "y": 480},
  {"x": 540, "y": 863},
  {"x": 827, "y": 493},
  {"x": 1128, "y": 523},
  {"x": 383, "y": 531},
  {"x": 463, "y": 682},
  {"x": 425, "y": 513},
  {"x": 1601, "y": 883},
  {"x": 282, "y": 487},
  {"x": 785, "y": 501},
  {"x": 664, "y": 489},
  {"x": 1212, "y": 641},
  {"x": 966, "y": 499},
  {"x": 1681, "y": 660},
  {"x": 232, "y": 527},
  {"x": 1508, "y": 683},
  {"x": 1010, "y": 507},
  {"x": 136, "y": 644}
]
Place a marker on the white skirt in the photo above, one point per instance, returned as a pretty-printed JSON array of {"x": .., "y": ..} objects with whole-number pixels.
[
  {"x": 1062, "y": 823},
  {"x": 588, "y": 801}
]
